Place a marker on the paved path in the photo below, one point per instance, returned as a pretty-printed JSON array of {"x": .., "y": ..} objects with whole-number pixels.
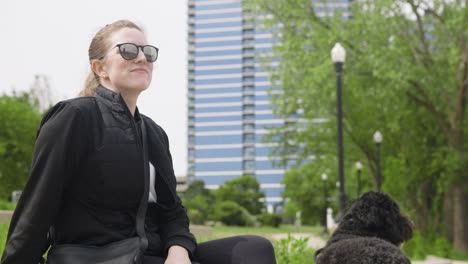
[
  {"x": 436, "y": 260},
  {"x": 5, "y": 216},
  {"x": 317, "y": 242}
]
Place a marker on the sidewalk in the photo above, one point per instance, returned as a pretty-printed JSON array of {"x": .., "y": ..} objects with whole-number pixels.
[{"x": 436, "y": 260}]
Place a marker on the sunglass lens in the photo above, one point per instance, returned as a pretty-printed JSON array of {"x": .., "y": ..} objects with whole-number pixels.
[
  {"x": 129, "y": 51},
  {"x": 151, "y": 53}
]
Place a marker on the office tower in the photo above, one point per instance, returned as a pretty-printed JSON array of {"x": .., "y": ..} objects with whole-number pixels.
[{"x": 228, "y": 102}]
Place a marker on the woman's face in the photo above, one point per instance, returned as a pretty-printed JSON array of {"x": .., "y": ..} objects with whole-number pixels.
[{"x": 127, "y": 76}]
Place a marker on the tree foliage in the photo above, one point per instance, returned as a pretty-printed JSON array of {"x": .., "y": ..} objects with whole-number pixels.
[
  {"x": 244, "y": 191},
  {"x": 406, "y": 74},
  {"x": 234, "y": 203},
  {"x": 19, "y": 121},
  {"x": 199, "y": 202},
  {"x": 231, "y": 213}
]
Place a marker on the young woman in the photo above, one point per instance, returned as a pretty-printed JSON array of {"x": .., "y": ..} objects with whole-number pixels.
[{"x": 88, "y": 172}]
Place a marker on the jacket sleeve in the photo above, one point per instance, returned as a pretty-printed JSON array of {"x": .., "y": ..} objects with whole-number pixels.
[
  {"x": 55, "y": 156},
  {"x": 173, "y": 221}
]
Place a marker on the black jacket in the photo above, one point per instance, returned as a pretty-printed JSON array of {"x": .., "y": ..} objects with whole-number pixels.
[{"x": 86, "y": 181}]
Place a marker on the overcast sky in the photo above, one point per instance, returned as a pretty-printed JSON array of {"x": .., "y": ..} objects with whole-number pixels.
[{"x": 51, "y": 37}]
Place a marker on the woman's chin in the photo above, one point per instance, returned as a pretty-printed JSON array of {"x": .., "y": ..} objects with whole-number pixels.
[{"x": 140, "y": 86}]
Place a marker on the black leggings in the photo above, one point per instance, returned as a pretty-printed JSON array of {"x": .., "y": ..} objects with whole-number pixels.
[{"x": 232, "y": 250}]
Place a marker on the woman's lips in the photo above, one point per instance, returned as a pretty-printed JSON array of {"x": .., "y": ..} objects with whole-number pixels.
[{"x": 141, "y": 70}]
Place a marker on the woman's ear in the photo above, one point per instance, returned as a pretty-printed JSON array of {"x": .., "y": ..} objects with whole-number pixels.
[{"x": 98, "y": 68}]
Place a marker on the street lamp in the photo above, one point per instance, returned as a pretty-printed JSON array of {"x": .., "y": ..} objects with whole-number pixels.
[
  {"x": 338, "y": 54},
  {"x": 325, "y": 195},
  {"x": 358, "y": 168},
  {"x": 378, "y": 140}
]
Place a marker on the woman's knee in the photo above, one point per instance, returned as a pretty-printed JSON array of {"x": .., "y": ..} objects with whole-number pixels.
[
  {"x": 260, "y": 243},
  {"x": 257, "y": 240}
]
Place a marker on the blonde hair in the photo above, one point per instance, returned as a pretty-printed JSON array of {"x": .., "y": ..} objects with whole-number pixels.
[{"x": 99, "y": 46}]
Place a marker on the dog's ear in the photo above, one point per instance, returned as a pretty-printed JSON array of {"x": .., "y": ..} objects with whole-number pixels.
[{"x": 406, "y": 228}]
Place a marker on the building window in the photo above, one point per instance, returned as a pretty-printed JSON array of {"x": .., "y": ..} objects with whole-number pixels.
[
  {"x": 248, "y": 79},
  {"x": 248, "y": 60},
  {"x": 191, "y": 129},
  {"x": 248, "y": 31},
  {"x": 290, "y": 163},
  {"x": 191, "y": 140},
  {"x": 249, "y": 138},
  {"x": 248, "y": 107},
  {"x": 249, "y": 88},
  {"x": 249, "y": 165},
  {"x": 248, "y": 69},
  {"x": 191, "y": 168},
  {"x": 249, "y": 117},
  {"x": 249, "y": 152},
  {"x": 248, "y": 41},
  {"x": 248, "y": 126},
  {"x": 248, "y": 99},
  {"x": 191, "y": 110},
  {"x": 191, "y": 154}
]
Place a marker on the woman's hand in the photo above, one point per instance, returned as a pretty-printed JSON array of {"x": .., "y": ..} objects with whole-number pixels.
[{"x": 177, "y": 255}]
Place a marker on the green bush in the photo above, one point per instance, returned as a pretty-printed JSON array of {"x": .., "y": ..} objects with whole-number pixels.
[
  {"x": 293, "y": 251},
  {"x": 199, "y": 209},
  {"x": 415, "y": 249},
  {"x": 273, "y": 220},
  {"x": 433, "y": 244},
  {"x": 231, "y": 213}
]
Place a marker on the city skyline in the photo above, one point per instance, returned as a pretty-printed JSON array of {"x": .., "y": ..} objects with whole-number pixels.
[{"x": 229, "y": 106}]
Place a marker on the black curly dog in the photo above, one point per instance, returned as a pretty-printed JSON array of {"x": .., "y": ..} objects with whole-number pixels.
[{"x": 371, "y": 231}]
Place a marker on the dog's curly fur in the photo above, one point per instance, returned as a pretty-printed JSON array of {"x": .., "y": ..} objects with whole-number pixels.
[{"x": 370, "y": 232}]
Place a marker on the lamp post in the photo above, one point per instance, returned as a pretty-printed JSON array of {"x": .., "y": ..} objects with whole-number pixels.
[
  {"x": 358, "y": 168},
  {"x": 338, "y": 54},
  {"x": 325, "y": 195},
  {"x": 378, "y": 140}
]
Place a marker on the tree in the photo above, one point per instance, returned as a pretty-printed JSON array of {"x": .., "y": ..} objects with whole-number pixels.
[
  {"x": 244, "y": 191},
  {"x": 406, "y": 74},
  {"x": 197, "y": 188},
  {"x": 199, "y": 202},
  {"x": 19, "y": 122}
]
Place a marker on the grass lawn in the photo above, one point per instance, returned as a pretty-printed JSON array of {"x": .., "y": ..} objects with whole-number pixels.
[
  {"x": 5, "y": 205},
  {"x": 3, "y": 235},
  {"x": 227, "y": 231}
]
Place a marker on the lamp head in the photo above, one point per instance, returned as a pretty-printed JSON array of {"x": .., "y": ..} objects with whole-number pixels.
[
  {"x": 324, "y": 177},
  {"x": 359, "y": 165},
  {"x": 338, "y": 53},
  {"x": 378, "y": 137}
]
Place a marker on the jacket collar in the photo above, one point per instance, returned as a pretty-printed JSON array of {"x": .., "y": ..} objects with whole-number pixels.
[{"x": 114, "y": 101}]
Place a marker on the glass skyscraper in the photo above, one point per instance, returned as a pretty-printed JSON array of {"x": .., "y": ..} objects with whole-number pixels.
[{"x": 228, "y": 104}]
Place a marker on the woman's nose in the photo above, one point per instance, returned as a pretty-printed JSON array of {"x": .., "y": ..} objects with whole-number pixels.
[{"x": 141, "y": 56}]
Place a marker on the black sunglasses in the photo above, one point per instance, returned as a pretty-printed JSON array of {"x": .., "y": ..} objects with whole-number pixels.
[{"x": 129, "y": 51}]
